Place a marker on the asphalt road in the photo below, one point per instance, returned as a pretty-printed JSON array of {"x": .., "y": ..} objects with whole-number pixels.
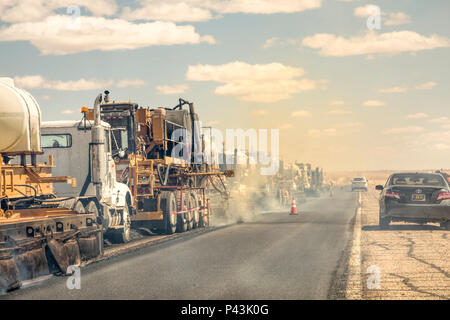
[{"x": 277, "y": 256}]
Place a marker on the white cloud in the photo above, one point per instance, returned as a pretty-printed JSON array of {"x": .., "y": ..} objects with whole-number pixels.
[
  {"x": 440, "y": 120},
  {"x": 395, "y": 90},
  {"x": 37, "y": 10},
  {"x": 410, "y": 129},
  {"x": 179, "y": 11},
  {"x": 425, "y": 86},
  {"x": 270, "y": 42},
  {"x": 134, "y": 83},
  {"x": 316, "y": 133},
  {"x": 374, "y": 103},
  {"x": 197, "y": 10},
  {"x": 419, "y": 115},
  {"x": 36, "y": 81},
  {"x": 300, "y": 114},
  {"x": 257, "y": 83},
  {"x": 339, "y": 112},
  {"x": 397, "y": 18},
  {"x": 439, "y": 146},
  {"x": 55, "y": 36},
  {"x": 337, "y": 103},
  {"x": 374, "y": 43},
  {"x": 365, "y": 11},
  {"x": 176, "y": 89},
  {"x": 39, "y": 82}
]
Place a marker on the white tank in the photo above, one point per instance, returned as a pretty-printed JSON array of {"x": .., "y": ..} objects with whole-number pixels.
[{"x": 20, "y": 119}]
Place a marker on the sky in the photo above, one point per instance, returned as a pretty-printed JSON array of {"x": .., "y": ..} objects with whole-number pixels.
[{"x": 351, "y": 85}]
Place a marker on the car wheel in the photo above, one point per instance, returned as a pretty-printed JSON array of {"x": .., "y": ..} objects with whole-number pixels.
[
  {"x": 445, "y": 225},
  {"x": 384, "y": 222}
]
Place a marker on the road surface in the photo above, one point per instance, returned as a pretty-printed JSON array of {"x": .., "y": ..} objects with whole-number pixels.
[{"x": 277, "y": 256}]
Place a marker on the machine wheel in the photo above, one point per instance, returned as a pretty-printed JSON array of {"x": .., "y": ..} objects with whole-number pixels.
[
  {"x": 79, "y": 207},
  {"x": 92, "y": 208},
  {"x": 182, "y": 223},
  {"x": 195, "y": 213},
  {"x": 384, "y": 222},
  {"x": 189, "y": 215},
  {"x": 124, "y": 235},
  {"x": 203, "y": 215},
  {"x": 170, "y": 220}
]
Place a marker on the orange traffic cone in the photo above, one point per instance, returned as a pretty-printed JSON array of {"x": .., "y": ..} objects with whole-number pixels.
[{"x": 293, "y": 207}]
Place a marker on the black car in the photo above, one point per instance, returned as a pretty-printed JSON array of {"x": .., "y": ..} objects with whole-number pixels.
[{"x": 415, "y": 197}]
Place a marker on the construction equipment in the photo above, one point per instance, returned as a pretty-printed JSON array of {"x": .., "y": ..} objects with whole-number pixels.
[
  {"x": 40, "y": 234},
  {"x": 84, "y": 150},
  {"x": 159, "y": 154}
]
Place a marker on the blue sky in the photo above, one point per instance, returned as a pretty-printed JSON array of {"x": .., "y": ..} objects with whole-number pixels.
[{"x": 353, "y": 99}]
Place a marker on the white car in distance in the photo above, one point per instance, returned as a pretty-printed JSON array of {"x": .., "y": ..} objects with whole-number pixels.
[{"x": 359, "y": 184}]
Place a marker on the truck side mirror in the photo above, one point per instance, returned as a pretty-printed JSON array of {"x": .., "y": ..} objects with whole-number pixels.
[{"x": 379, "y": 187}]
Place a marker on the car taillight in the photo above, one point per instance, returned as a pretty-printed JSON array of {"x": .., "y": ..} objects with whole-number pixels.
[
  {"x": 443, "y": 196},
  {"x": 392, "y": 195}
]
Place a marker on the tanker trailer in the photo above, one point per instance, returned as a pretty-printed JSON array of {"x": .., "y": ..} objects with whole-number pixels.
[{"x": 39, "y": 233}]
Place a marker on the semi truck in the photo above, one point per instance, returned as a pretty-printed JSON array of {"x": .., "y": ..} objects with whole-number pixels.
[
  {"x": 40, "y": 233},
  {"x": 84, "y": 151},
  {"x": 159, "y": 154}
]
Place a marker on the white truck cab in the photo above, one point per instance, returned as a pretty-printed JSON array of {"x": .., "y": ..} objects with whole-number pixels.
[{"x": 78, "y": 155}]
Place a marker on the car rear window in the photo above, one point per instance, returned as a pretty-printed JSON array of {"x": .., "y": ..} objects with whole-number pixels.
[
  {"x": 359, "y": 179},
  {"x": 420, "y": 179}
]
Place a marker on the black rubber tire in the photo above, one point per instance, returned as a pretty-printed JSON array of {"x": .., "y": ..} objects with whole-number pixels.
[
  {"x": 169, "y": 205},
  {"x": 182, "y": 223},
  {"x": 189, "y": 215},
  {"x": 195, "y": 213},
  {"x": 124, "y": 235},
  {"x": 79, "y": 207},
  {"x": 384, "y": 222}
]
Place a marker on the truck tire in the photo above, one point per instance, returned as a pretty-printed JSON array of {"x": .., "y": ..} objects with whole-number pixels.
[
  {"x": 124, "y": 235},
  {"x": 79, "y": 207},
  {"x": 170, "y": 205},
  {"x": 195, "y": 213},
  {"x": 182, "y": 223},
  {"x": 189, "y": 215}
]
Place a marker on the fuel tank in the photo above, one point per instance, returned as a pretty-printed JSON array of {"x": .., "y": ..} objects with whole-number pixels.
[{"x": 20, "y": 118}]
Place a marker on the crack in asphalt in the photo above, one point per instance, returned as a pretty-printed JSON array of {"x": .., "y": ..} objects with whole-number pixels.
[
  {"x": 413, "y": 256},
  {"x": 407, "y": 282}
]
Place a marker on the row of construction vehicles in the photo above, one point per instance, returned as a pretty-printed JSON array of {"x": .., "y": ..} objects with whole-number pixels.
[{"x": 121, "y": 165}]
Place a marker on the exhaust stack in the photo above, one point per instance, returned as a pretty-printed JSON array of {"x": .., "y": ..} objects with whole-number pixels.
[{"x": 98, "y": 151}]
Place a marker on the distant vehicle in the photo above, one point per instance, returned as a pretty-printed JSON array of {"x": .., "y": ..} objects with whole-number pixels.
[
  {"x": 359, "y": 184},
  {"x": 415, "y": 197}
]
